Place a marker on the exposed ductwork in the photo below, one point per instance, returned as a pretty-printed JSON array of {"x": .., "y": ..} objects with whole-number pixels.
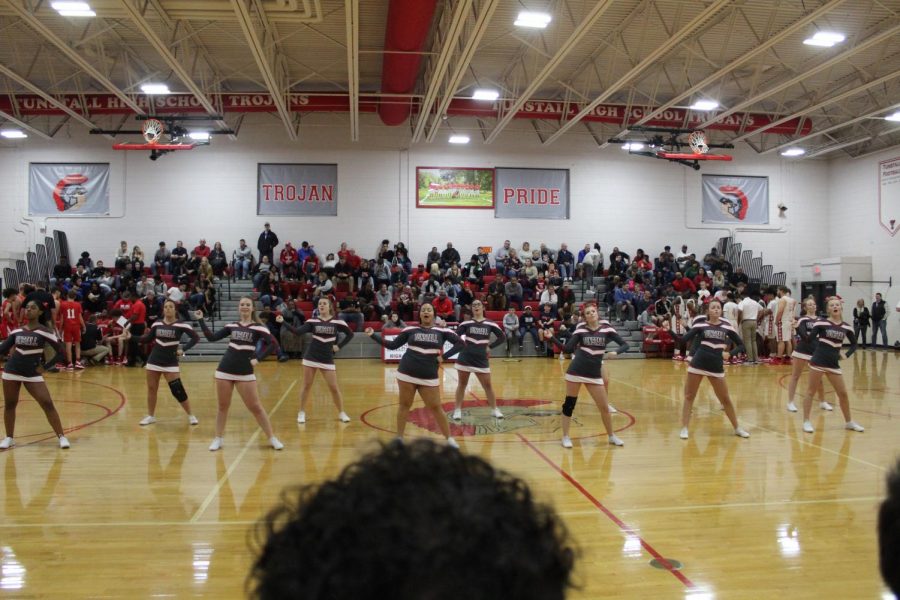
[{"x": 408, "y": 24}]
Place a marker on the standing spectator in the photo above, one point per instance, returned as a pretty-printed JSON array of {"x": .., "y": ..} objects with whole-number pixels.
[
  {"x": 510, "y": 327},
  {"x": 879, "y": 323},
  {"x": 161, "y": 263},
  {"x": 861, "y": 319},
  {"x": 243, "y": 260},
  {"x": 748, "y": 313},
  {"x": 137, "y": 315},
  {"x": 267, "y": 242}
]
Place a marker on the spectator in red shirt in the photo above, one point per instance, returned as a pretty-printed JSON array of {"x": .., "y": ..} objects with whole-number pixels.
[
  {"x": 683, "y": 284},
  {"x": 310, "y": 266},
  {"x": 443, "y": 306},
  {"x": 344, "y": 252},
  {"x": 702, "y": 276},
  {"x": 354, "y": 260},
  {"x": 288, "y": 252},
  {"x": 420, "y": 275},
  {"x": 202, "y": 250}
]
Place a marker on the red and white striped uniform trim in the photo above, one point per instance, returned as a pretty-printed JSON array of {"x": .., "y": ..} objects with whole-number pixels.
[
  {"x": 165, "y": 344},
  {"x": 424, "y": 350},
  {"x": 592, "y": 352}
]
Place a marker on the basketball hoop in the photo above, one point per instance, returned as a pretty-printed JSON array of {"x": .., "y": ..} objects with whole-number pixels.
[
  {"x": 697, "y": 142},
  {"x": 152, "y": 130}
]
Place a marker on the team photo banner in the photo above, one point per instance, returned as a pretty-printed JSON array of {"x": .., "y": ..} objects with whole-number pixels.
[
  {"x": 889, "y": 194},
  {"x": 531, "y": 193},
  {"x": 68, "y": 190},
  {"x": 302, "y": 190},
  {"x": 730, "y": 199}
]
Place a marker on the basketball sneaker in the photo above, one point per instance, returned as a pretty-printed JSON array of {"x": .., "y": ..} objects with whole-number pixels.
[
  {"x": 275, "y": 442},
  {"x": 615, "y": 441},
  {"x": 566, "y": 442},
  {"x": 495, "y": 412},
  {"x": 825, "y": 406},
  {"x": 854, "y": 426},
  {"x": 684, "y": 433},
  {"x": 217, "y": 444},
  {"x": 64, "y": 442},
  {"x": 148, "y": 420},
  {"x": 344, "y": 417}
]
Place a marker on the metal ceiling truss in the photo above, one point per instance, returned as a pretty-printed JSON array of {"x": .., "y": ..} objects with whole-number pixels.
[
  {"x": 739, "y": 61},
  {"x": 671, "y": 43},
  {"x": 12, "y": 75},
  {"x": 260, "y": 38},
  {"x": 351, "y": 9},
  {"x": 580, "y": 32}
]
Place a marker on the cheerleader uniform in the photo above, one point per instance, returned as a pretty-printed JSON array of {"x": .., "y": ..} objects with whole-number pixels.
[
  {"x": 28, "y": 354},
  {"x": 587, "y": 362},
  {"x": 709, "y": 343},
  {"x": 419, "y": 364},
  {"x": 320, "y": 354},
  {"x": 167, "y": 336},
  {"x": 806, "y": 345},
  {"x": 476, "y": 335},
  {"x": 235, "y": 364},
  {"x": 830, "y": 337}
]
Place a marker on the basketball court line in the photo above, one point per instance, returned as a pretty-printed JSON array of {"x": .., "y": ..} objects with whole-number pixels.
[
  {"x": 760, "y": 427},
  {"x": 623, "y": 527},
  {"x": 679, "y": 508},
  {"x": 237, "y": 460},
  {"x": 124, "y": 524}
]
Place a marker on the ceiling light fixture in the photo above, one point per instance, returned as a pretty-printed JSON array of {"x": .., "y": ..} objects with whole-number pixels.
[
  {"x": 200, "y": 136},
  {"x": 794, "y": 152},
  {"x": 535, "y": 20},
  {"x": 73, "y": 9},
  {"x": 485, "y": 95},
  {"x": 893, "y": 117},
  {"x": 705, "y": 105},
  {"x": 633, "y": 146},
  {"x": 459, "y": 139},
  {"x": 13, "y": 134},
  {"x": 155, "y": 88},
  {"x": 825, "y": 39}
]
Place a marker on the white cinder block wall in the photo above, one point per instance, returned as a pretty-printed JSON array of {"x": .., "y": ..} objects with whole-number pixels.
[
  {"x": 854, "y": 229},
  {"x": 617, "y": 199}
]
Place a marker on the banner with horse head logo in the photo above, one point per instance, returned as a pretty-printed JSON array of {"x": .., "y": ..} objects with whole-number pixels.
[
  {"x": 68, "y": 190},
  {"x": 740, "y": 199}
]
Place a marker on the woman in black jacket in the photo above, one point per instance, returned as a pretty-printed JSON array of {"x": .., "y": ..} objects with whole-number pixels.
[{"x": 861, "y": 319}]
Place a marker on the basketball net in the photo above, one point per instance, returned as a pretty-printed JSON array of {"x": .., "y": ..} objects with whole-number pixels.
[
  {"x": 697, "y": 142},
  {"x": 152, "y": 130}
]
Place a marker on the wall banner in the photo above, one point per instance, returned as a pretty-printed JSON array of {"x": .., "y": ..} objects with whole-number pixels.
[
  {"x": 301, "y": 190},
  {"x": 735, "y": 199},
  {"x": 889, "y": 194},
  {"x": 68, "y": 190},
  {"x": 531, "y": 193}
]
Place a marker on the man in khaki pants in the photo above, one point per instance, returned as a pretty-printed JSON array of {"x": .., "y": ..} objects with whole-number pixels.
[{"x": 748, "y": 311}]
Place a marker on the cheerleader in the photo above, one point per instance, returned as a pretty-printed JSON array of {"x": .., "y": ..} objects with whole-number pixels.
[
  {"x": 163, "y": 360},
  {"x": 803, "y": 351},
  {"x": 25, "y": 367},
  {"x": 589, "y": 338},
  {"x": 319, "y": 357},
  {"x": 830, "y": 334},
  {"x": 235, "y": 370},
  {"x": 418, "y": 370},
  {"x": 712, "y": 333},
  {"x": 473, "y": 358}
]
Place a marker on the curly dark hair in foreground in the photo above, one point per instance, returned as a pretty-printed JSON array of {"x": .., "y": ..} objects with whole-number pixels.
[
  {"x": 416, "y": 521},
  {"x": 889, "y": 532}
]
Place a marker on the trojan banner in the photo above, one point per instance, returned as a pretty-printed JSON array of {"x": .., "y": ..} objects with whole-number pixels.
[
  {"x": 308, "y": 190},
  {"x": 531, "y": 193},
  {"x": 552, "y": 110},
  {"x": 68, "y": 190},
  {"x": 738, "y": 200}
]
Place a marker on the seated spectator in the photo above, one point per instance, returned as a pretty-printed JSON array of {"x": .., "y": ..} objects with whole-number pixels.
[
  {"x": 718, "y": 281},
  {"x": 401, "y": 259},
  {"x": 566, "y": 302},
  {"x": 367, "y": 302},
  {"x": 513, "y": 265},
  {"x": 496, "y": 298},
  {"x": 514, "y": 292},
  {"x": 329, "y": 264},
  {"x": 565, "y": 262},
  {"x": 350, "y": 311},
  {"x": 324, "y": 287},
  {"x": 152, "y": 306},
  {"x": 191, "y": 269},
  {"x": 464, "y": 299},
  {"x": 85, "y": 262},
  {"x": 553, "y": 276},
  {"x": 243, "y": 260},
  {"x": 433, "y": 258},
  {"x": 737, "y": 278},
  {"x": 290, "y": 270},
  {"x": 528, "y": 559},
  {"x": 546, "y": 317},
  {"x": 143, "y": 285},
  {"x": 406, "y": 305},
  {"x": 201, "y": 250},
  {"x": 550, "y": 297},
  {"x": 443, "y": 307},
  {"x": 262, "y": 271},
  {"x": 683, "y": 284},
  {"x": 161, "y": 264},
  {"x": 137, "y": 262},
  {"x": 382, "y": 272},
  {"x": 343, "y": 274},
  {"x": 205, "y": 271},
  {"x": 95, "y": 300},
  {"x": 288, "y": 255},
  {"x": 500, "y": 254},
  {"x": 123, "y": 257},
  {"x": 474, "y": 272},
  {"x": 624, "y": 303},
  {"x": 178, "y": 258},
  {"x": 269, "y": 316},
  {"x": 93, "y": 352},
  {"x": 392, "y": 321},
  {"x": 310, "y": 266},
  {"x": 449, "y": 257},
  {"x": 291, "y": 343},
  {"x": 383, "y": 300},
  {"x": 528, "y": 324},
  {"x": 218, "y": 259},
  {"x": 61, "y": 272}
]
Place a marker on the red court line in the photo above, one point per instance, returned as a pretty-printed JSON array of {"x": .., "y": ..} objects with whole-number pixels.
[
  {"x": 624, "y": 527},
  {"x": 109, "y": 412}
]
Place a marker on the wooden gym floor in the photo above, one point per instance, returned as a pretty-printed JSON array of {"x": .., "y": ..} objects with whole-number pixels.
[{"x": 134, "y": 512}]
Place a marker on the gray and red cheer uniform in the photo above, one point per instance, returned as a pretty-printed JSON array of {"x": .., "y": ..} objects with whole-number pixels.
[
  {"x": 829, "y": 337},
  {"x": 806, "y": 344},
  {"x": 710, "y": 341},
  {"x": 235, "y": 364},
  {"x": 320, "y": 354},
  {"x": 167, "y": 337},
  {"x": 587, "y": 362},
  {"x": 27, "y": 354}
]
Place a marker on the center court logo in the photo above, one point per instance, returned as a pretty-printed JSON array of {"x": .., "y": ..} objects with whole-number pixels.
[{"x": 518, "y": 414}]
